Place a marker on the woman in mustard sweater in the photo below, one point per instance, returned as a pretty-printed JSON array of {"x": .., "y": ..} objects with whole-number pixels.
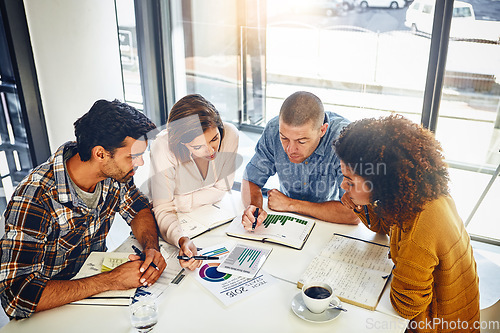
[{"x": 396, "y": 181}]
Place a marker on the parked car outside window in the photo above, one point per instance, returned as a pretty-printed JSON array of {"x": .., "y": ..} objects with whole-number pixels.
[{"x": 363, "y": 4}]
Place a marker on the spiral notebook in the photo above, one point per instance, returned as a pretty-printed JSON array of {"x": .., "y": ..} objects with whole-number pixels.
[{"x": 357, "y": 269}]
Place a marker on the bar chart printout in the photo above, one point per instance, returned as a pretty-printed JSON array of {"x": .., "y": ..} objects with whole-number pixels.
[
  {"x": 227, "y": 287},
  {"x": 244, "y": 260}
]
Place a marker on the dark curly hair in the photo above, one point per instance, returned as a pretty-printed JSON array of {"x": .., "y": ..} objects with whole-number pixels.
[
  {"x": 402, "y": 161},
  {"x": 107, "y": 124}
]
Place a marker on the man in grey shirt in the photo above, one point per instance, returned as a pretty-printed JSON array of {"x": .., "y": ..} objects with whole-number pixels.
[{"x": 298, "y": 146}]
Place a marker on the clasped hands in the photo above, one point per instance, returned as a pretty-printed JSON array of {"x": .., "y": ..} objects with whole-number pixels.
[
  {"x": 149, "y": 273},
  {"x": 136, "y": 273}
]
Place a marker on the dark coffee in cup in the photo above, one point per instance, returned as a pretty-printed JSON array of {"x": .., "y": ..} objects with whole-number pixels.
[{"x": 317, "y": 292}]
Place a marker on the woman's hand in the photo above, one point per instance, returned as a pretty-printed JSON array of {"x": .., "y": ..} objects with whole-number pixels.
[{"x": 187, "y": 248}]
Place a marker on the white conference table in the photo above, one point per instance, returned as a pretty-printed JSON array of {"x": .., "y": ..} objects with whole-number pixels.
[{"x": 189, "y": 307}]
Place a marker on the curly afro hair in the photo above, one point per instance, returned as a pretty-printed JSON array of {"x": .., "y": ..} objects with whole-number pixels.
[{"x": 402, "y": 161}]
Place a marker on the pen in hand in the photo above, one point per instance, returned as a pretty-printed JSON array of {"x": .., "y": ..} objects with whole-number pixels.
[
  {"x": 197, "y": 258},
  {"x": 143, "y": 256},
  {"x": 255, "y": 215}
]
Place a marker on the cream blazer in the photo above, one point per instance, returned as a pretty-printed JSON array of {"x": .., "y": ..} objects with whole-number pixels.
[{"x": 179, "y": 187}]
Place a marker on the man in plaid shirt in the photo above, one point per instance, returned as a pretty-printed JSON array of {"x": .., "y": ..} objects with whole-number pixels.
[{"x": 64, "y": 209}]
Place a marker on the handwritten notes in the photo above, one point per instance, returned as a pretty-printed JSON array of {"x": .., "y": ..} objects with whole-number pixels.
[
  {"x": 357, "y": 270},
  {"x": 207, "y": 217}
]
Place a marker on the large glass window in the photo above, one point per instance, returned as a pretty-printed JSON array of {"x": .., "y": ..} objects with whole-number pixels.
[
  {"x": 469, "y": 122},
  {"x": 362, "y": 62},
  {"x": 206, "y": 52},
  {"x": 21, "y": 145}
]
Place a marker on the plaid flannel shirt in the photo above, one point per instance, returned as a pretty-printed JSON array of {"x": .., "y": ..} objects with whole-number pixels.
[{"x": 50, "y": 231}]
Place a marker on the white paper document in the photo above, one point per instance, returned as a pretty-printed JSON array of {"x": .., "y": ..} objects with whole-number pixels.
[
  {"x": 244, "y": 260},
  {"x": 228, "y": 288}
]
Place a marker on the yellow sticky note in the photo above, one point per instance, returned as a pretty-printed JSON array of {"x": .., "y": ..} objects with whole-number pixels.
[{"x": 110, "y": 263}]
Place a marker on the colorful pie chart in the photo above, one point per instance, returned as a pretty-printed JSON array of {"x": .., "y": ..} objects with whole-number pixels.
[{"x": 210, "y": 273}]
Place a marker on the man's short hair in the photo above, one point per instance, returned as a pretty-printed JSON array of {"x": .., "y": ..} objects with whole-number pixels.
[
  {"x": 107, "y": 124},
  {"x": 301, "y": 108}
]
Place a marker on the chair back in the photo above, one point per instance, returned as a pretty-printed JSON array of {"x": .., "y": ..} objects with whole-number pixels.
[{"x": 490, "y": 318}]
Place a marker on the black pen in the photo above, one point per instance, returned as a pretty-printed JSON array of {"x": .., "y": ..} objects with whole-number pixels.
[
  {"x": 256, "y": 215},
  {"x": 143, "y": 256},
  {"x": 367, "y": 215},
  {"x": 197, "y": 258}
]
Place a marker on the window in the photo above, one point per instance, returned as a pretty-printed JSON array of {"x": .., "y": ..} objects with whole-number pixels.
[
  {"x": 128, "y": 52},
  {"x": 462, "y": 12},
  {"x": 19, "y": 149},
  {"x": 469, "y": 116}
]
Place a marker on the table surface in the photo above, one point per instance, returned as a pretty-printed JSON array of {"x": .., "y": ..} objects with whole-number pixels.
[{"x": 191, "y": 308}]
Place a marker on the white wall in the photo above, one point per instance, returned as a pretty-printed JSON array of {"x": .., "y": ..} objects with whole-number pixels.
[{"x": 76, "y": 51}]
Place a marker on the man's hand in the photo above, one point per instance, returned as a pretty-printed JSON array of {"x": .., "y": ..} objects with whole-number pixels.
[
  {"x": 126, "y": 276},
  {"x": 149, "y": 273},
  {"x": 247, "y": 219},
  {"x": 187, "y": 248},
  {"x": 278, "y": 201}
]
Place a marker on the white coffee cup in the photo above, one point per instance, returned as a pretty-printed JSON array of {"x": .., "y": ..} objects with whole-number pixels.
[{"x": 317, "y": 296}]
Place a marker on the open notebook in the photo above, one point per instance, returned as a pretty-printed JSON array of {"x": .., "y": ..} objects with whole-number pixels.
[
  {"x": 98, "y": 262},
  {"x": 358, "y": 270},
  {"x": 285, "y": 228},
  {"x": 208, "y": 217}
]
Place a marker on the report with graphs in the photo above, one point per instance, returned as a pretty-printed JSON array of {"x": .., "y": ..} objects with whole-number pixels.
[
  {"x": 286, "y": 228},
  {"x": 244, "y": 260}
]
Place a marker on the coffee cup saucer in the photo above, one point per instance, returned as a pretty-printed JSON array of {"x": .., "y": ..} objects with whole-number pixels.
[{"x": 300, "y": 309}]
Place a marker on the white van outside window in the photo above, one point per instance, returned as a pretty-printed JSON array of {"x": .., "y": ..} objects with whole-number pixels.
[{"x": 420, "y": 15}]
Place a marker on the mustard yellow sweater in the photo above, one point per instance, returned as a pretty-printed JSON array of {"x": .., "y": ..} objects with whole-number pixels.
[{"x": 435, "y": 281}]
